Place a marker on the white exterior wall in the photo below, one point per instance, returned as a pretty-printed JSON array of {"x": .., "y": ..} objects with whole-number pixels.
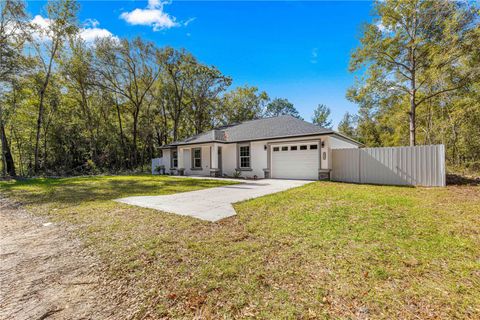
[
  {"x": 258, "y": 159},
  {"x": 184, "y": 158},
  {"x": 166, "y": 159},
  {"x": 326, "y": 149},
  {"x": 229, "y": 158},
  {"x": 338, "y": 143},
  {"x": 258, "y": 155},
  {"x": 332, "y": 143},
  {"x": 187, "y": 161}
]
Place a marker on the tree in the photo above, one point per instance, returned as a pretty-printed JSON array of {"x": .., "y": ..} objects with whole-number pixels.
[
  {"x": 50, "y": 39},
  {"x": 242, "y": 104},
  {"x": 321, "y": 116},
  {"x": 178, "y": 67},
  {"x": 278, "y": 107},
  {"x": 347, "y": 125},
  {"x": 12, "y": 38},
  {"x": 110, "y": 105},
  {"x": 128, "y": 69},
  {"x": 204, "y": 85},
  {"x": 415, "y": 49}
]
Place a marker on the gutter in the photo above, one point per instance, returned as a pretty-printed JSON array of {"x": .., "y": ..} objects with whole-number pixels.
[{"x": 339, "y": 135}]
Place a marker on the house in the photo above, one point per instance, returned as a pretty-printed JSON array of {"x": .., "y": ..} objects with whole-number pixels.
[{"x": 277, "y": 147}]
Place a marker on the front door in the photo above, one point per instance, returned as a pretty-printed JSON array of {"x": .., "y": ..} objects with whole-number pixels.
[{"x": 220, "y": 161}]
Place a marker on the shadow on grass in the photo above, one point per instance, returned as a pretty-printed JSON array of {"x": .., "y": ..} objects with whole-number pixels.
[
  {"x": 458, "y": 180},
  {"x": 98, "y": 188},
  {"x": 374, "y": 184}
]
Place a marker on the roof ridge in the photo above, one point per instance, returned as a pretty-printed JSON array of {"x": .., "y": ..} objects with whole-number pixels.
[
  {"x": 275, "y": 126},
  {"x": 262, "y": 118}
]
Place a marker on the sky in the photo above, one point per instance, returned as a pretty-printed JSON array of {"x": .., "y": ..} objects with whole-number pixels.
[{"x": 290, "y": 49}]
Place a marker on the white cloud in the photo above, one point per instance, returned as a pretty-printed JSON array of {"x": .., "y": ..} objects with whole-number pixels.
[
  {"x": 155, "y": 4},
  {"x": 385, "y": 29},
  {"x": 89, "y": 32},
  {"x": 153, "y": 16},
  {"x": 93, "y": 23},
  {"x": 41, "y": 25},
  {"x": 380, "y": 26},
  {"x": 40, "y": 21},
  {"x": 186, "y": 23}
]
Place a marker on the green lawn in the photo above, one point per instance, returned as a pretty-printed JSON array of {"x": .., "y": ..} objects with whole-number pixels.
[{"x": 324, "y": 250}]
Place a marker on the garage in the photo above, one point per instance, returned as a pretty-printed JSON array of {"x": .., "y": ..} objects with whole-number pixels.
[{"x": 295, "y": 161}]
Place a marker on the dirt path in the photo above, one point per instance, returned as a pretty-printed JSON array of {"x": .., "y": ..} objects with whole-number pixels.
[{"x": 47, "y": 274}]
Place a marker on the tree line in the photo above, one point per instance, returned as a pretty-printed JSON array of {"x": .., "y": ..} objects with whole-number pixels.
[
  {"x": 418, "y": 66},
  {"x": 68, "y": 106},
  {"x": 71, "y": 107}
]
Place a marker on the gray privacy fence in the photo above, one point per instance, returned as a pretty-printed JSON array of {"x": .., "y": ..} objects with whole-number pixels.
[{"x": 418, "y": 165}]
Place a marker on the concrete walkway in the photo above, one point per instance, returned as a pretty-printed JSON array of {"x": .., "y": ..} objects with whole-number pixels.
[{"x": 215, "y": 203}]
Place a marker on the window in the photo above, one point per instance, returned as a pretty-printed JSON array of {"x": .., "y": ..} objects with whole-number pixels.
[
  {"x": 174, "y": 159},
  {"x": 244, "y": 156},
  {"x": 303, "y": 147},
  {"x": 293, "y": 148},
  {"x": 284, "y": 148},
  {"x": 197, "y": 158},
  {"x": 324, "y": 156},
  {"x": 313, "y": 146},
  {"x": 275, "y": 149}
]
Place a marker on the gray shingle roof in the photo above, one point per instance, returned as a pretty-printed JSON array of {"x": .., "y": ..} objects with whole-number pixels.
[{"x": 265, "y": 128}]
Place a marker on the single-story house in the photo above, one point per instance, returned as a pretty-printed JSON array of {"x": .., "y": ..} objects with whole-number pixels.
[{"x": 277, "y": 147}]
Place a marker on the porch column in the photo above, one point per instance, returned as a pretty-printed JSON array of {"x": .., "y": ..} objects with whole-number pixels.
[
  {"x": 214, "y": 169},
  {"x": 180, "y": 158},
  {"x": 214, "y": 156}
]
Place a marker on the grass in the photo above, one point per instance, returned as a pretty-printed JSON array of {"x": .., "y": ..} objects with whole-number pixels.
[{"x": 324, "y": 250}]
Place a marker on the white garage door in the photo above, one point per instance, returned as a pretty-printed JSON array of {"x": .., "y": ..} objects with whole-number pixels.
[{"x": 295, "y": 161}]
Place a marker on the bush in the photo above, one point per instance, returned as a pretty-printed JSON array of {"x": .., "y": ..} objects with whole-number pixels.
[
  {"x": 237, "y": 174},
  {"x": 90, "y": 167}
]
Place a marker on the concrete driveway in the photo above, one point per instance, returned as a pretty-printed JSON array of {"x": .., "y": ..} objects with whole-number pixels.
[{"x": 215, "y": 203}]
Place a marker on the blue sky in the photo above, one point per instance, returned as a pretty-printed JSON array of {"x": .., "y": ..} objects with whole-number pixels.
[{"x": 294, "y": 50}]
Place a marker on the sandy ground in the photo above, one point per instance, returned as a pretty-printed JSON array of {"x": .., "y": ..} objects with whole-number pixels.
[{"x": 45, "y": 273}]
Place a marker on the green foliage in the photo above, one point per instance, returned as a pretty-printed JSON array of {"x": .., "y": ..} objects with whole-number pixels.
[
  {"x": 321, "y": 116},
  {"x": 13, "y": 35},
  {"x": 241, "y": 104},
  {"x": 278, "y": 107},
  {"x": 77, "y": 108},
  {"x": 237, "y": 174},
  {"x": 116, "y": 102},
  {"x": 419, "y": 66},
  {"x": 159, "y": 169},
  {"x": 347, "y": 125}
]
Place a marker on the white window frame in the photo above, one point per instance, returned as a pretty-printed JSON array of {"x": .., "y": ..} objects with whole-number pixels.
[
  {"x": 195, "y": 158},
  {"x": 240, "y": 157},
  {"x": 174, "y": 159}
]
